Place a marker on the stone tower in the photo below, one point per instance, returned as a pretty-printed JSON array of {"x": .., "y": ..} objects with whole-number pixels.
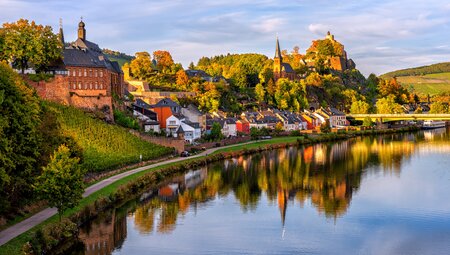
[
  {"x": 81, "y": 30},
  {"x": 278, "y": 59}
]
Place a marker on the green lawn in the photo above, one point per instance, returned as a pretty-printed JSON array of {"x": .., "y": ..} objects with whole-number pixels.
[
  {"x": 431, "y": 84},
  {"x": 259, "y": 143}
]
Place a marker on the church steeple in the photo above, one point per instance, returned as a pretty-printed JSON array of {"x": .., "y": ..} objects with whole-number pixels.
[
  {"x": 81, "y": 30},
  {"x": 277, "y": 60},
  {"x": 277, "y": 50},
  {"x": 61, "y": 33}
]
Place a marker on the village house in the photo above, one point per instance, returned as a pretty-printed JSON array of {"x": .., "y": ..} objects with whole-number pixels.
[
  {"x": 192, "y": 113},
  {"x": 164, "y": 109},
  {"x": 243, "y": 126},
  {"x": 178, "y": 126},
  {"x": 147, "y": 117}
]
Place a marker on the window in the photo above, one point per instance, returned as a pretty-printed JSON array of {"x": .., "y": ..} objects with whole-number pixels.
[
  {"x": 90, "y": 85},
  {"x": 96, "y": 85},
  {"x": 101, "y": 73},
  {"x": 172, "y": 122},
  {"x": 101, "y": 85},
  {"x": 74, "y": 72},
  {"x": 90, "y": 72},
  {"x": 86, "y": 85},
  {"x": 79, "y": 72},
  {"x": 79, "y": 85},
  {"x": 96, "y": 73}
]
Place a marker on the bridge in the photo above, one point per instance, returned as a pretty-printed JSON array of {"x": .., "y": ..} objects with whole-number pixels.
[{"x": 397, "y": 117}]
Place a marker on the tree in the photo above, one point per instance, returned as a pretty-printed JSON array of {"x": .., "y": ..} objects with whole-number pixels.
[
  {"x": 260, "y": 93},
  {"x": 141, "y": 66},
  {"x": 387, "y": 105},
  {"x": 61, "y": 181},
  {"x": 182, "y": 79},
  {"x": 325, "y": 127},
  {"x": 26, "y": 43},
  {"x": 163, "y": 60},
  {"x": 359, "y": 107},
  {"x": 438, "y": 107},
  {"x": 191, "y": 66},
  {"x": 216, "y": 132},
  {"x": 367, "y": 122},
  {"x": 20, "y": 139}
]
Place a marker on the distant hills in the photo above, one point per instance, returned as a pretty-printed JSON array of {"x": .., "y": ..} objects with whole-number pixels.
[
  {"x": 421, "y": 70},
  {"x": 120, "y": 57},
  {"x": 424, "y": 80}
]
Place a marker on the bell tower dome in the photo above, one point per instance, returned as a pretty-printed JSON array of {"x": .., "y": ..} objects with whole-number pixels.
[{"x": 81, "y": 30}]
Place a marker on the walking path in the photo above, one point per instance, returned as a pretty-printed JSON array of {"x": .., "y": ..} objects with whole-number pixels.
[{"x": 23, "y": 226}]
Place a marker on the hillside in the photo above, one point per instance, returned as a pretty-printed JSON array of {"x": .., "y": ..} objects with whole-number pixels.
[
  {"x": 417, "y": 71},
  {"x": 429, "y": 84},
  {"x": 120, "y": 57},
  {"x": 104, "y": 146}
]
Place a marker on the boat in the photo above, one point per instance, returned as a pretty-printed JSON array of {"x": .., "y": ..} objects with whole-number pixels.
[{"x": 432, "y": 124}]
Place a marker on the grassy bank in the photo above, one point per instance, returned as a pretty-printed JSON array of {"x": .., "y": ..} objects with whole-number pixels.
[{"x": 125, "y": 188}]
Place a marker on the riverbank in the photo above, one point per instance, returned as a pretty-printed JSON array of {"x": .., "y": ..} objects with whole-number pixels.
[{"x": 123, "y": 188}]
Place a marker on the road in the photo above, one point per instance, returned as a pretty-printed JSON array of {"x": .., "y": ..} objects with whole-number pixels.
[{"x": 25, "y": 225}]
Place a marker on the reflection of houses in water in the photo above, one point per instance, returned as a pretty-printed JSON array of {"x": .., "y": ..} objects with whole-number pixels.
[
  {"x": 104, "y": 235},
  {"x": 338, "y": 151},
  {"x": 189, "y": 180},
  {"x": 319, "y": 154},
  {"x": 433, "y": 134}
]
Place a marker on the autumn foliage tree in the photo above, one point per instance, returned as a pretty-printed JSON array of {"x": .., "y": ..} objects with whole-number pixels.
[
  {"x": 141, "y": 66},
  {"x": 26, "y": 44},
  {"x": 182, "y": 79},
  {"x": 163, "y": 60}
]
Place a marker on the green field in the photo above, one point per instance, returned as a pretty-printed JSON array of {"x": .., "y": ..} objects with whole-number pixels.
[{"x": 431, "y": 84}]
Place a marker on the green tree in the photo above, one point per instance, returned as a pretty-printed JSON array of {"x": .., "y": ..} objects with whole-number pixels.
[
  {"x": 367, "y": 122},
  {"x": 61, "y": 181},
  {"x": 359, "y": 107},
  {"x": 27, "y": 43},
  {"x": 20, "y": 139},
  {"x": 325, "y": 127},
  {"x": 216, "y": 132},
  {"x": 141, "y": 65},
  {"x": 260, "y": 92},
  {"x": 438, "y": 107},
  {"x": 387, "y": 105}
]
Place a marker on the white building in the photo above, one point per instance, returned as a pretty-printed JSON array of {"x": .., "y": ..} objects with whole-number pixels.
[
  {"x": 178, "y": 126},
  {"x": 229, "y": 127}
]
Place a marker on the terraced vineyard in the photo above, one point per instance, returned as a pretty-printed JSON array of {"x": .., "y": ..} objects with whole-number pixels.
[
  {"x": 104, "y": 146},
  {"x": 432, "y": 84}
]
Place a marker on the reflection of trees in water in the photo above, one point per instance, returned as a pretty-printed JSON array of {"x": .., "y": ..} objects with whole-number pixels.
[
  {"x": 104, "y": 234},
  {"x": 326, "y": 175}
]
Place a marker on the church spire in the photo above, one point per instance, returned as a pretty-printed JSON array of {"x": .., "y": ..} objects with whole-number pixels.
[
  {"x": 277, "y": 50},
  {"x": 61, "y": 33}
]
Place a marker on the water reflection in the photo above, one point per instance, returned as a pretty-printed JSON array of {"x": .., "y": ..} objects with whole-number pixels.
[{"x": 325, "y": 176}]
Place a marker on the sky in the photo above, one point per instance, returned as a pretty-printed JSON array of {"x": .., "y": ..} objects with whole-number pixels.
[{"x": 380, "y": 36}]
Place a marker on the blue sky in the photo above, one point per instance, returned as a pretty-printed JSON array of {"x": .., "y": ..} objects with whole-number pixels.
[{"x": 379, "y": 36}]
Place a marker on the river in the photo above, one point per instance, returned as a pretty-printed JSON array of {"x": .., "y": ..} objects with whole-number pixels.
[{"x": 372, "y": 195}]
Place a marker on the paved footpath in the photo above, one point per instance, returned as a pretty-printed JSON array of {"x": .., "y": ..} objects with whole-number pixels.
[{"x": 23, "y": 226}]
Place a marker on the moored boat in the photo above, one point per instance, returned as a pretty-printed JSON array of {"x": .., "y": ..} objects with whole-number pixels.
[{"x": 432, "y": 124}]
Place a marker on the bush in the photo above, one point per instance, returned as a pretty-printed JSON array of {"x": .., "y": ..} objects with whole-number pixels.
[
  {"x": 126, "y": 121},
  {"x": 50, "y": 237}
]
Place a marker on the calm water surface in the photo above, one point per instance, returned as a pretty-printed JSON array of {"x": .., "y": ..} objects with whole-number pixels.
[{"x": 378, "y": 195}]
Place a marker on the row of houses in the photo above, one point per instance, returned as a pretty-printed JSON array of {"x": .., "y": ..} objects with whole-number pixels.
[{"x": 189, "y": 123}]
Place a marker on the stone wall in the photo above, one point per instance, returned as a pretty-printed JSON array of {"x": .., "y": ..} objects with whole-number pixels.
[
  {"x": 178, "y": 144},
  {"x": 58, "y": 90}
]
